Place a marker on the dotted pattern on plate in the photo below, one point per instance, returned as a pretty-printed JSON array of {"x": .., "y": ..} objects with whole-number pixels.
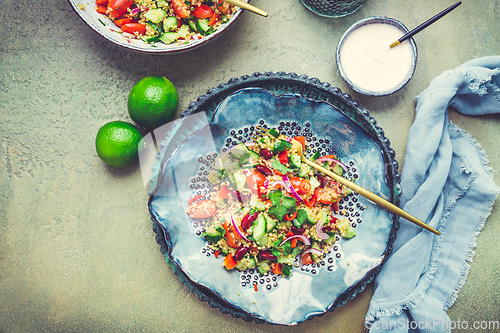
[{"x": 349, "y": 206}]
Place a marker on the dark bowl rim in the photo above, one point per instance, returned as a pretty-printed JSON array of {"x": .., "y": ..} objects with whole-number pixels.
[{"x": 246, "y": 81}]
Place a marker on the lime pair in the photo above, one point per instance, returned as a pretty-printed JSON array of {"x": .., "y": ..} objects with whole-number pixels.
[{"x": 152, "y": 102}]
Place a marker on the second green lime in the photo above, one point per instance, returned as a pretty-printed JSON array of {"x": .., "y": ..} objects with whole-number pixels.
[
  {"x": 153, "y": 101},
  {"x": 118, "y": 143}
]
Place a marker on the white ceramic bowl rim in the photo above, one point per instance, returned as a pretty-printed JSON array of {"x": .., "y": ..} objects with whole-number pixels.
[
  {"x": 106, "y": 28},
  {"x": 372, "y": 20}
]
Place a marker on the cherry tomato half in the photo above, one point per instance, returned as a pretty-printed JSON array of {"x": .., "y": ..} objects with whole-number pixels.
[
  {"x": 133, "y": 28},
  {"x": 119, "y": 8},
  {"x": 122, "y": 21},
  {"x": 203, "y": 12},
  {"x": 223, "y": 7},
  {"x": 224, "y": 192},
  {"x": 214, "y": 19},
  {"x": 180, "y": 8},
  {"x": 255, "y": 181},
  {"x": 202, "y": 209},
  {"x": 301, "y": 185}
]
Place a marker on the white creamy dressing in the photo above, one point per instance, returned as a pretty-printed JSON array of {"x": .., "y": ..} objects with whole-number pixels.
[{"x": 368, "y": 61}]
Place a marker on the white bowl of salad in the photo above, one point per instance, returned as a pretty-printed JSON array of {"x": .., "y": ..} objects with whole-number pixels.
[{"x": 157, "y": 26}]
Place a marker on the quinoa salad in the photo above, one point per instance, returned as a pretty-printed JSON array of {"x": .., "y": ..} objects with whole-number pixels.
[
  {"x": 166, "y": 21},
  {"x": 269, "y": 208}
]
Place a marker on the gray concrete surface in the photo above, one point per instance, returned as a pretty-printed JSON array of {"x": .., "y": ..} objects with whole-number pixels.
[{"x": 77, "y": 253}]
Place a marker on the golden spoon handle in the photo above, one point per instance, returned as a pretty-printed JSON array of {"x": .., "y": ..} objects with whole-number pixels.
[
  {"x": 247, "y": 6},
  {"x": 371, "y": 196}
]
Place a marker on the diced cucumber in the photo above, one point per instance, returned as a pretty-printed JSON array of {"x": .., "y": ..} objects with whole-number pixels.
[
  {"x": 168, "y": 37},
  {"x": 162, "y": 3},
  {"x": 324, "y": 217},
  {"x": 347, "y": 190},
  {"x": 238, "y": 151},
  {"x": 304, "y": 170},
  {"x": 155, "y": 15},
  {"x": 170, "y": 23},
  {"x": 202, "y": 26},
  {"x": 330, "y": 240},
  {"x": 346, "y": 229},
  {"x": 259, "y": 228},
  {"x": 192, "y": 25},
  {"x": 314, "y": 183},
  {"x": 285, "y": 224},
  {"x": 183, "y": 31},
  {"x": 262, "y": 241},
  {"x": 149, "y": 39},
  {"x": 212, "y": 177},
  {"x": 295, "y": 161},
  {"x": 315, "y": 245},
  {"x": 263, "y": 268},
  {"x": 240, "y": 180},
  {"x": 270, "y": 225},
  {"x": 246, "y": 263},
  {"x": 338, "y": 169},
  {"x": 253, "y": 155},
  {"x": 285, "y": 260},
  {"x": 257, "y": 204}
]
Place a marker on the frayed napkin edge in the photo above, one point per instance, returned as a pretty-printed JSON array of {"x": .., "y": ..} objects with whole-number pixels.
[
  {"x": 437, "y": 248},
  {"x": 470, "y": 254}
]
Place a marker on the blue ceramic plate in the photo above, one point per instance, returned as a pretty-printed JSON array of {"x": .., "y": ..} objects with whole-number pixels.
[{"x": 187, "y": 154}]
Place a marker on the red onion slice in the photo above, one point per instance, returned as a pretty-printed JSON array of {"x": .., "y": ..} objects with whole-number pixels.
[
  {"x": 278, "y": 182},
  {"x": 238, "y": 230},
  {"x": 309, "y": 250},
  {"x": 312, "y": 250},
  {"x": 303, "y": 238},
  {"x": 291, "y": 189},
  {"x": 319, "y": 231},
  {"x": 127, "y": 35},
  {"x": 266, "y": 184},
  {"x": 135, "y": 11},
  {"x": 331, "y": 159}
]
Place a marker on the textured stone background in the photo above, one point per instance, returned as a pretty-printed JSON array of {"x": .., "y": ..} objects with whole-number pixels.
[{"x": 77, "y": 253}]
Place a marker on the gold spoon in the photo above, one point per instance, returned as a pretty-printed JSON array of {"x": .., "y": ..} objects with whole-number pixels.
[
  {"x": 247, "y": 6},
  {"x": 356, "y": 188}
]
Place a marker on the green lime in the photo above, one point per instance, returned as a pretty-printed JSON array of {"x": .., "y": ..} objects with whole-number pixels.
[
  {"x": 117, "y": 143},
  {"x": 153, "y": 101}
]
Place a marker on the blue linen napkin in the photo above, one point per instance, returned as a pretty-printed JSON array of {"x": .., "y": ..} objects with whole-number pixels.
[{"x": 448, "y": 184}]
